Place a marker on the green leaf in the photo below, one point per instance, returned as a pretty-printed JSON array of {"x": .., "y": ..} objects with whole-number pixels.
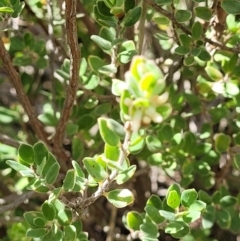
[
  {"x": 137, "y": 143},
  {"x": 189, "y": 60},
  {"x": 71, "y": 129},
  {"x": 191, "y": 216},
  {"x": 222, "y": 142},
  {"x": 132, "y": 17},
  {"x": 52, "y": 173},
  {"x": 108, "y": 69},
  {"x": 101, "y": 42},
  {"x": 78, "y": 169},
  {"x": 227, "y": 201},
  {"x": 198, "y": 206},
  {"x": 208, "y": 217},
  {"x": 134, "y": 220},
  {"x": 120, "y": 198},
  {"x": 83, "y": 67},
  {"x": 16, "y": 43},
  {"x": 103, "y": 7},
  {"x": 154, "y": 214},
  {"x": 173, "y": 199},
  {"x": 108, "y": 34},
  {"x": 42, "y": 63},
  {"x": 129, "y": 4},
  {"x": 213, "y": 73},
  {"x": 36, "y": 232},
  {"x": 177, "y": 229},
  {"x": 103, "y": 15},
  {"x": 153, "y": 143},
  {"x": 188, "y": 197},
  {"x": 204, "y": 56},
  {"x": 203, "y": 13},
  {"x": 69, "y": 180},
  {"x": 94, "y": 169},
  {"x": 205, "y": 197},
  {"x": 182, "y": 50},
  {"x": 173, "y": 196},
  {"x": 31, "y": 217},
  {"x": 237, "y": 161},
  {"x": 48, "y": 211},
  {"x": 40, "y": 152},
  {"x": 197, "y": 30},
  {"x": 18, "y": 9},
  {"x": 70, "y": 233},
  {"x": 6, "y": 10},
  {"x": 110, "y": 131},
  {"x": 155, "y": 159},
  {"x": 78, "y": 225},
  {"x": 26, "y": 154},
  {"x": 149, "y": 229},
  {"x": 127, "y": 51},
  {"x": 161, "y": 20},
  {"x": 231, "y": 6},
  {"x": 46, "y": 166},
  {"x": 168, "y": 215},
  {"x": 118, "y": 87},
  {"x": 86, "y": 121},
  {"x": 183, "y": 15},
  {"x": 111, "y": 152},
  {"x": 232, "y": 89},
  {"x": 185, "y": 40},
  {"x": 154, "y": 201},
  {"x": 64, "y": 217},
  {"x": 223, "y": 218},
  {"x": 125, "y": 175},
  {"x": 23, "y": 170},
  {"x": 95, "y": 62},
  {"x": 55, "y": 194}
]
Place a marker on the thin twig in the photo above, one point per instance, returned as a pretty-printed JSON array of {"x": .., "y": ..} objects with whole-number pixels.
[
  {"x": 19, "y": 200},
  {"x": 123, "y": 154},
  {"x": 9, "y": 141},
  {"x": 185, "y": 29},
  {"x": 74, "y": 53},
  {"x": 110, "y": 235},
  {"x": 16, "y": 81}
]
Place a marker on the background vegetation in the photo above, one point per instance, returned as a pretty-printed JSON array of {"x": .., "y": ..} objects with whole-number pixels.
[{"x": 119, "y": 120}]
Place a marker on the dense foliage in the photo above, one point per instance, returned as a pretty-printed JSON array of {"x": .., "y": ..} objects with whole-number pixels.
[{"x": 120, "y": 120}]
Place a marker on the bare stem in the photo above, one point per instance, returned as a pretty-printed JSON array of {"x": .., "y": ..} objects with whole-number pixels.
[
  {"x": 74, "y": 53},
  {"x": 16, "y": 81},
  {"x": 18, "y": 201},
  {"x": 9, "y": 141}
]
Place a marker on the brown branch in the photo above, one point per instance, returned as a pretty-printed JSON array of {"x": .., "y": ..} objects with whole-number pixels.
[
  {"x": 19, "y": 200},
  {"x": 16, "y": 81},
  {"x": 9, "y": 141},
  {"x": 74, "y": 53},
  {"x": 185, "y": 29}
]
